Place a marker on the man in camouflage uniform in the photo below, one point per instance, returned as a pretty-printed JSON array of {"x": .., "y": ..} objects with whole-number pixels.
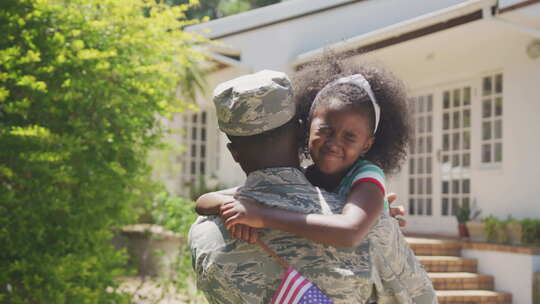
[{"x": 257, "y": 113}]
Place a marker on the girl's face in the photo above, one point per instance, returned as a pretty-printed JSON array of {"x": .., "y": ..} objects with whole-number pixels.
[{"x": 338, "y": 136}]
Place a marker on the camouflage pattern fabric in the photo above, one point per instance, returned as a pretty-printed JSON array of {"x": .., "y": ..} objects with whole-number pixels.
[
  {"x": 231, "y": 271},
  {"x": 398, "y": 275},
  {"x": 255, "y": 103}
]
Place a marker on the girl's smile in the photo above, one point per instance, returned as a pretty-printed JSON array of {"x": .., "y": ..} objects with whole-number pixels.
[{"x": 339, "y": 135}]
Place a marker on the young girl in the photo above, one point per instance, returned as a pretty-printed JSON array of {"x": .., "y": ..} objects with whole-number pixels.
[{"x": 356, "y": 127}]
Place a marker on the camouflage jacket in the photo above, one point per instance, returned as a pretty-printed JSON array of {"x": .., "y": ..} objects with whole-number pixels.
[{"x": 230, "y": 271}]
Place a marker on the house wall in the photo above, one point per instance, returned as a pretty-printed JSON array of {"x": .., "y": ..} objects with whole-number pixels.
[
  {"x": 463, "y": 55},
  {"x": 430, "y": 63},
  {"x": 515, "y": 275},
  {"x": 274, "y": 46},
  {"x": 228, "y": 172}
]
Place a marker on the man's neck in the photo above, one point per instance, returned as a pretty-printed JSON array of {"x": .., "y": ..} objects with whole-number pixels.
[{"x": 293, "y": 162}]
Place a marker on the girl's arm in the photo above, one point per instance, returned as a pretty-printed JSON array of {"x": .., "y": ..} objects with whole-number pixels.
[
  {"x": 209, "y": 203},
  {"x": 348, "y": 229}
]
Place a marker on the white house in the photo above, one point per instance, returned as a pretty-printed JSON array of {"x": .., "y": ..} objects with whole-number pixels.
[
  {"x": 473, "y": 72},
  {"x": 472, "y": 68}
]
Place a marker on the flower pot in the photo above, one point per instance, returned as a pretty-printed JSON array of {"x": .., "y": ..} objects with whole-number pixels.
[
  {"x": 476, "y": 231},
  {"x": 151, "y": 249},
  {"x": 463, "y": 231}
]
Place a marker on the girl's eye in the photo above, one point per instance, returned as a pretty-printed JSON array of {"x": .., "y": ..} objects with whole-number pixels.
[
  {"x": 350, "y": 137},
  {"x": 324, "y": 130}
]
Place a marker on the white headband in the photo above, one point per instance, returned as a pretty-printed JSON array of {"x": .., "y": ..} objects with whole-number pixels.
[{"x": 361, "y": 82}]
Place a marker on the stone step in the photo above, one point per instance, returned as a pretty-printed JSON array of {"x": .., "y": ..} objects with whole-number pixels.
[
  {"x": 448, "y": 264},
  {"x": 432, "y": 247},
  {"x": 473, "y": 296},
  {"x": 460, "y": 281}
]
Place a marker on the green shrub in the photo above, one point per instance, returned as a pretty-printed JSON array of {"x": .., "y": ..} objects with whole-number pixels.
[
  {"x": 531, "y": 231},
  {"x": 177, "y": 214},
  {"x": 82, "y": 84},
  {"x": 495, "y": 229}
]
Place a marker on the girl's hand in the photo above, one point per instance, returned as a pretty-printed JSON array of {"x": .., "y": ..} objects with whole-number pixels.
[
  {"x": 244, "y": 233},
  {"x": 242, "y": 211},
  {"x": 398, "y": 211}
]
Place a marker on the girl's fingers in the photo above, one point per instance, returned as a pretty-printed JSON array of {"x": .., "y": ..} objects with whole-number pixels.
[
  {"x": 397, "y": 210},
  {"x": 227, "y": 214},
  {"x": 225, "y": 207},
  {"x": 245, "y": 233},
  {"x": 231, "y": 222},
  {"x": 402, "y": 222},
  {"x": 253, "y": 235},
  {"x": 391, "y": 197},
  {"x": 238, "y": 232}
]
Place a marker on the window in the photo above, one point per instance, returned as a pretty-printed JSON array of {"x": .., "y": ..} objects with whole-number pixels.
[
  {"x": 456, "y": 149},
  {"x": 492, "y": 122},
  {"x": 196, "y": 164},
  {"x": 420, "y": 156}
]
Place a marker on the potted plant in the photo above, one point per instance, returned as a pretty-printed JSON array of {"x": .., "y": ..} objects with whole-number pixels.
[
  {"x": 475, "y": 226},
  {"x": 495, "y": 229},
  {"x": 462, "y": 216}
]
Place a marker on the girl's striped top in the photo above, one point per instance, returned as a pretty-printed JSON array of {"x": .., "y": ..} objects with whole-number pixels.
[{"x": 363, "y": 171}]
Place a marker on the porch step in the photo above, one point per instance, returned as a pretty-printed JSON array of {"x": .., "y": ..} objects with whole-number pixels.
[
  {"x": 460, "y": 280},
  {"x": 454, "y": 278},
  {"x": 473, "y": 296},
  {"x": 448, "y": 264},
  {"x": 431, "y": 247}
]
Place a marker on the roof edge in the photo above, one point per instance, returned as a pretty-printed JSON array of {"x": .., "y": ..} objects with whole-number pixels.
[
  {"x": 450, "y": 16},
  {"x": 265, "y": 16}
]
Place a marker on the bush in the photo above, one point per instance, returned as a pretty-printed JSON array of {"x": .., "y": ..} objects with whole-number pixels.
[
  {"x": 495, "y": 229},
  {"x": 531, "y": 231},
  {"x": 82, "y": 84},
  {"x": 177, "y": 214}
]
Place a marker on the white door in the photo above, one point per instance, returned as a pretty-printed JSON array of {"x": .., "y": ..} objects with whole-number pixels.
[{"x": 439, "y": 158}]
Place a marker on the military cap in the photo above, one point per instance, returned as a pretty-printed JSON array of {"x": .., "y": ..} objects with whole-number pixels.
[{"x": 255, "y": 103}]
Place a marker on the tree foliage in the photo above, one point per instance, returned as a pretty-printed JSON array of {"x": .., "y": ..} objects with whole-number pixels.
[
  {"x": 82, "y": 84},
  {"x": 213, "y": 9}
]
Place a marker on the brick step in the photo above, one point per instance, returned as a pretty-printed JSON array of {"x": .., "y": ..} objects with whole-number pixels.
[
  {"x": 473, "y": 296},
  {"x": 432, "y": 247},
  {"x": 460, "y": 280},
  {"x": 448, "y": 264}
]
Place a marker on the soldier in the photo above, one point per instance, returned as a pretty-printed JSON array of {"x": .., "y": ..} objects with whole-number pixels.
[{"x": 258, "y": 115}]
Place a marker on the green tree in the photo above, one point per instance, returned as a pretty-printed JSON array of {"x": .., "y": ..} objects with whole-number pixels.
[
  {"x": 213, "y": 9},
  {"x": 82, "y": 86}
]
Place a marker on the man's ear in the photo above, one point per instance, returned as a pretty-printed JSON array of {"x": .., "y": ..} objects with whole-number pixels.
[
  {"x": 301, "y": 130},
  {"x": 234, "y": 153}
]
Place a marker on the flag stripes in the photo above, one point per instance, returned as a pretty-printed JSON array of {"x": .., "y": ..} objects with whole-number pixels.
[{"x": 295, "y": 289}]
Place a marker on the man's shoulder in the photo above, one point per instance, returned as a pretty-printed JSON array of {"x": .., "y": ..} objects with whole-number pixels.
[{"x": 288, "y": 188}]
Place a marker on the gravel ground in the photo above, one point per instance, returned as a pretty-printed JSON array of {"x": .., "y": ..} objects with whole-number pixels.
[{"x": 152, "y": 291}]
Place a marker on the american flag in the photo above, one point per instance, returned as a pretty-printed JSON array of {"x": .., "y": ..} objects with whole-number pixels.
[{"x": 295, "y": 289}]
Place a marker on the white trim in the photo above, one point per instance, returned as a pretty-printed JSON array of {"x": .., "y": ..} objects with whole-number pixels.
[
  {"x": 263, "y": 16},
  {"x": 228, "y": 61},
  {"x": 399, "y": 28},
  {"x": 488, "y": 16}
]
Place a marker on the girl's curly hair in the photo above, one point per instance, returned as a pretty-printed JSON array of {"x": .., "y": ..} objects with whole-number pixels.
[{"x": 394, "y": 131}]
